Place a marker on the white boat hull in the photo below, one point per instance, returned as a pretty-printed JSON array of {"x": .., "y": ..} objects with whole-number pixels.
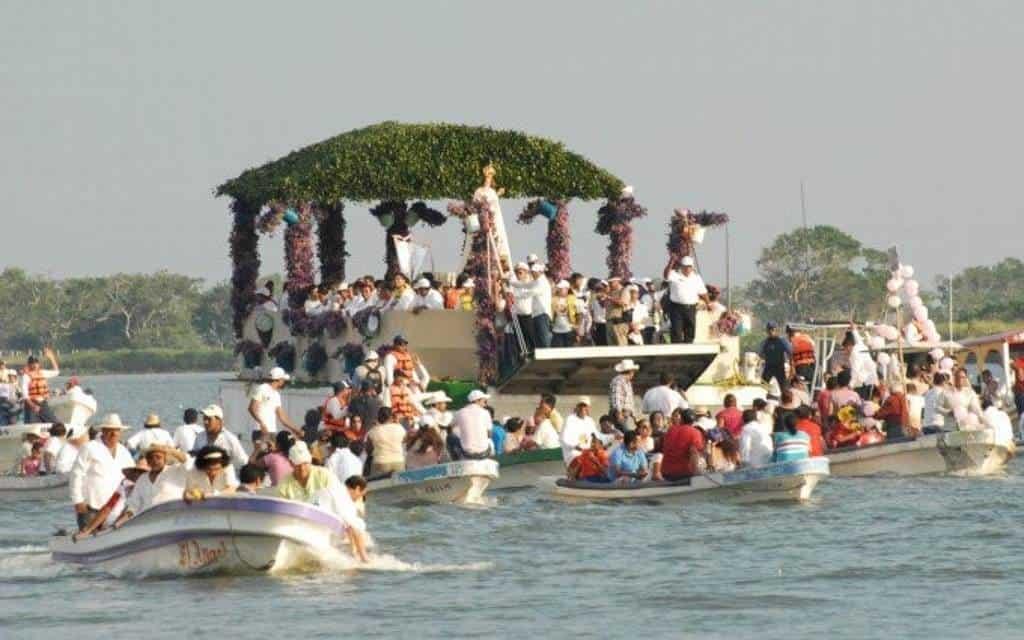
[
  {"x": 904, "y": 458},
  {"x": 11, "y": 438},
  {"x": 52, "y": 487},
  {"x": 792, "y": 481},
  {"x": 974, "y": 453},
  {"x": 242, "y": 534},
  {"x": 461, "y": 482}
]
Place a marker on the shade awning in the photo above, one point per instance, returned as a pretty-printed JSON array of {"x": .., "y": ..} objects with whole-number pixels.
[{"x": 588, "y": 370}]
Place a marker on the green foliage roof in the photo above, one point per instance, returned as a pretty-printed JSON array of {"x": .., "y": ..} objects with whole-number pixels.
[{"x": 395, "y": 161}]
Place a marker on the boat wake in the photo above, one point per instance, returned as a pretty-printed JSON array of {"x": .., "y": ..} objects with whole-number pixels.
[
  {"x": 27, "y": 563},
  {"x": 337, "y": 560}
]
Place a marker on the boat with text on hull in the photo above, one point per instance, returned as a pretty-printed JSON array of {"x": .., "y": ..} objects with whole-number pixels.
[
  {"x": 792, "y": 481},
  {"x": 460, "y": 482},
  {"x": 229, "y": 534}
]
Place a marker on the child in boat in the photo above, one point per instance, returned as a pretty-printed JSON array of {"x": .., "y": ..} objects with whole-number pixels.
[
  {"x": 591, "y": 465},
  {"x": 31, "y": 465}
]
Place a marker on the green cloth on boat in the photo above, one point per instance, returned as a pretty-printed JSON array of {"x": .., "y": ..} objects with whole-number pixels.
[
  {"x": 457, "y": 390},
  {"x": 525, "y": 457}
]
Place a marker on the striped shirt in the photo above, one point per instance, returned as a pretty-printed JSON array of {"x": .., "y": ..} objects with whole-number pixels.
[{"x": 796, "y": 446}]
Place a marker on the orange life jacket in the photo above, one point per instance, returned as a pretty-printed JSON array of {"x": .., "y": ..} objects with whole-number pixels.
[
  {"x": 333, "y": 424},
  {"x": 401, "y": 406},
  {"x": 38, "y": 387},
  {"x": 803, "y": 349},
  {"x": 404, "y": 363}
]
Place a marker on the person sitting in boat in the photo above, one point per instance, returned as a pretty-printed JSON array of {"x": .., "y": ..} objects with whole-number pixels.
[
  {"x": 424, "y": 447},
  {"x": 265, "y": 404},
  {"x": 152, "y": 433},
  {"x": 798, "y": 387},
  {"x": 609, "y": 431},
  {"x": 275, "y": 462},
  {"x": 344, "y": 460},
  {"x": 426, "y": 297},
  {"x": 963, "y": 394},
  {"x": 319, "y": 487},
  {"x": 682, "y": 448},
  {"x": 993, "y": 390},
  {"x": 515, "y": 435},
  {"x": 725, "y": 455},
  {"x": 543, "y": 433},
  {"x": 994, "y": 418},
  {"x": 649, "y": 445},
  {"x": 705, "y": 422},
  {"x": 53, "y": 445},
  {"x": 96, "y": 473},
  {"x": 621, "y": 401},
  {"x": 386, "y": 444},
  {"x": 871, "y": 432},
  {"x": 213, "y": 475},
  {"x": 628, "y": 463},
  {"x": 806, "y": 423},
  {"x": 893, "y": 409},
  {"x": 35, "y": 388},
  {"x": 251, "y": 479},
  {"x": 915, "y": 409},
  {"x": 578, "y": 431},
  {"x": 399, "y": 399},
  {"x": 658, "y": 423},
  {"x": 845, "y": 430},
  {"x": 790, "y": 444},
  {"x": 546, "y": 407},
  {"x": 788, "y": 404},
  {"x": 730, "y": 417},
  {"x": 148, "y": 489},
  {"x": 470, "y": 434},
  {"x": 334, "y": 413},
  {"x": 755, "y": 444},
  {"x": 109, "y": 515},
  {"x": 936, "y": 408},
  {"x": 185, "y": 435},
  {"x": 591, "y": 465},
  {"x": 32, "y": 465},
  {"x": 320, "y": 448},
  {"x": 214, "y": 434},
  {"x": 843, "y": 395},
  {"x": 436, "y": 405},
  {"x": 664, "y": 398}
]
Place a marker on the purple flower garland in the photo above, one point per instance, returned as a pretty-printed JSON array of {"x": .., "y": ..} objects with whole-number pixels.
[
  {"x": 557, "y": 241},
  {"x": 330, "y": 230},
  {"x": 245, "y": 261},
  {"x": 679, "y": 241},
  {"x": 614, "y": 220},
  {"x": 477, "y": 268},
  {"x": 298, "y": 258}
]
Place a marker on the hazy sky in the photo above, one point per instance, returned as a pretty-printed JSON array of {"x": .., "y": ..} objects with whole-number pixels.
[{"x": 117, "y": 120}]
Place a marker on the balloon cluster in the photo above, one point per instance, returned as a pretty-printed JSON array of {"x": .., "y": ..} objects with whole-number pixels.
[{"x": 903, "y": 289}]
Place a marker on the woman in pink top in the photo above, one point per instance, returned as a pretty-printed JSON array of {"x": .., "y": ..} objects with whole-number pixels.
[
  {"x": 30, "y": 466},
  {"x": 730, "y": 417},
  {"x": 276, "y": 462}
]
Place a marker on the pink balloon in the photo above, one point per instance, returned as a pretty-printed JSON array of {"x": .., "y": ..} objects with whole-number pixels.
[
  {"x": 889, "y": 332},
  {"x": 876, "y": 343},
  {"x": 973, "y": 421},
  {"x": 893, "y": 285},
  {"x": 915, "y": 301},
  {"x": 869, "y": 409},
  {"x": 884, "y": 359},
  {"x": 946, "y": 364},
  {"x": 912, "y": 287},
  {"x": 960, "y": 414},
  {"x": 932, "y": 336},
  {"x": 921, "y": 314}
]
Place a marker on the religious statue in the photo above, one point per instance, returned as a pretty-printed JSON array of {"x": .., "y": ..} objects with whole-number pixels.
[{"x": 487, "y": 193}]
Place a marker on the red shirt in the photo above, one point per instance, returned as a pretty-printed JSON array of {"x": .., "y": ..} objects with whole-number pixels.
[
  {"x": 676, "y": 447},
  {"x": 811, "y": 428},
  {"x": 731, "y": 419},
  {"x": 824, "y": 403}
]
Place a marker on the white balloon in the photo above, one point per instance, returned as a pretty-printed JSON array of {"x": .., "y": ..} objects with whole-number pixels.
[
  {"x": 932, "y": 336},
  {"x": 893, "y": 285},
  {"x": 915, "y": 302},
  {"x": 946, "y": 364},
  {"x": 884, "y": 359},
  {"x": 907, "y": 271},
  {"x": 895, "y": 302},
  {"x": 937, "y": 354},
  {"x": 921, "y": 314},
  {"x": 876, "y": 342},
  {"x": 912, "y": 287}
]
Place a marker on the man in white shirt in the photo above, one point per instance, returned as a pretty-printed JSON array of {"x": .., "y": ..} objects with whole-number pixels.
[
  {"x": 427, "y": 298},
  {"x": 152, "y": 433},
  {"x": 577, "y": 430},
  {"x": 471, "y": 429},
  {"x": 343, "y": 462},
  {"x": 96, "y": 473},
  {"x": 755, "y": 441},
  {"x": 265, "y": 405},
  {"x": 216, "y": 435},
  {"x": 77, "y": 436},
  {"x": 53, "y": 445},
  {"x": 158, "y": 458},
  {"x": 998, "y": 421},
  {"x": 685, "y": 289},
  {"x": 185, "y": 435},
  {"x": 935, "y": 411},
  {"x": 663, "y": 398}
]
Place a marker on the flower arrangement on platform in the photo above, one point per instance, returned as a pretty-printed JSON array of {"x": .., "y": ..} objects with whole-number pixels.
[
  {"x": 728, "y": 324},
  {"x": 334, "y": 322},
  {"x": 686, "y": 228},
  {"x": 367, "y": 322},
  {"x": 483, "y": 298},
  {"x": 557, "y": 241},
  {"x": 330, "y": 245},
  {"x": 298, "y": 258},
  {"x": 283, "y": 354},
  {"x": 251, "y": 352},
  {"x": 397, "y": 218},
  {"x": 615, "y": 221},
  {"x": 315, "y": 358},
  {"x": 245, "y": 261},
  {"x": 352, "y": 355}
]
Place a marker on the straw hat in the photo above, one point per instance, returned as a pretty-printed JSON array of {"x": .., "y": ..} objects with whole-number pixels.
[
  {"x": 141, "y": 466},
  {"x": 112, "y": 421},
  {"x": 171, "y": 453},
  {"x": 626, "y": 365},
  {"x": 152, "y": 420}
]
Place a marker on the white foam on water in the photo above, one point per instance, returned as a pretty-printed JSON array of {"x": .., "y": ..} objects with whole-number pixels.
[
  {"x": 29, "y": 562},
  {"x": 337, "y": 560},
  {"x": 25, "y": 548}
]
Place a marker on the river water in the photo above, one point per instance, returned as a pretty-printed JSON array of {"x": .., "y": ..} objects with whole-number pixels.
[{"x": 931, "y": 557}]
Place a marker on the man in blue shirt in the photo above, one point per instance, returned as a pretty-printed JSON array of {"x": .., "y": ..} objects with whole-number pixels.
[
  {"x": 498, "y": 433},
  {"x": 628, "y": 462},
  {"x": 776, "y": 352}
]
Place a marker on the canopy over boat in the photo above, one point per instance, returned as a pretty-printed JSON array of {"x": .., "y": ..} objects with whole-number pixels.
[{"x": 587, "y": 370}]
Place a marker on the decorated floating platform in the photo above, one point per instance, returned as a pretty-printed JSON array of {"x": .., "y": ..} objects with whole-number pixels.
[
  {"x": 792, "y": 481},
  {"x": 237, "y": 534}
]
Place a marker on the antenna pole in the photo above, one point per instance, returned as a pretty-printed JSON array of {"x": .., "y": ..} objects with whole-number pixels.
[{"x": 728, "y": 272}]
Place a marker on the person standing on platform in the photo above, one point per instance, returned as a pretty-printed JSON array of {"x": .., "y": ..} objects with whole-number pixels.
[
  {"x": 266, "y": 408},
  {"x": 685, "y": 290},
  {"x": 775, "y": 352},
  {"x": 621, "y": 400},
  {"x": 803, "y": 353}
]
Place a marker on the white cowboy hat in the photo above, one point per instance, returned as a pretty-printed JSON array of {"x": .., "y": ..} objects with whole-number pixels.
[
  {"x": 532, "y": 258},
  {"x": 521, "y": 266},
  {"x": 213, "y": 411},
  {"x": 428, "y": 420},
  {"x": 277, "y": 373},
  {"x": 299, "y": 454},
  {"x": 468, "y": 284},
  {"x": 537, "y": 267},
  {"x": 112, "y": 421},
  {"x": 562, "y": 284},
  {"x": 626, "y": 365},
  {"x": 372, "y": 355},
  {"x": 583, "y": 400},
  {"x": 627, "y": 191},
  {"x": 687, "y": 261},
  {"x": 477, "y": 395},
  {"x": 422, "y": 283}
]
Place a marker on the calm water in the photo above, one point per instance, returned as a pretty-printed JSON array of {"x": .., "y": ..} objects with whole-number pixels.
[{"x": 916, "y": 558}]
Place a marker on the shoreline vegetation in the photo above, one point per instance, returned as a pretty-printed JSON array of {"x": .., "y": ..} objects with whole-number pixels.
[{"x": 155, "y": 360}]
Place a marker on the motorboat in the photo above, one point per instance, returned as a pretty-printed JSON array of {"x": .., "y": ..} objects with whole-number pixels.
[
  {"x": 460, "y": 482},
  {"x": 11, "y": 439},
  {"x": 44, "y": 487},
  {"x": 791, "y": 481},
  {"x": 521, "y": 470},
  {"x": 974, "y": 453},
  {"x": 242, "y": 533},
  {"x": 900, "y": 456}
]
